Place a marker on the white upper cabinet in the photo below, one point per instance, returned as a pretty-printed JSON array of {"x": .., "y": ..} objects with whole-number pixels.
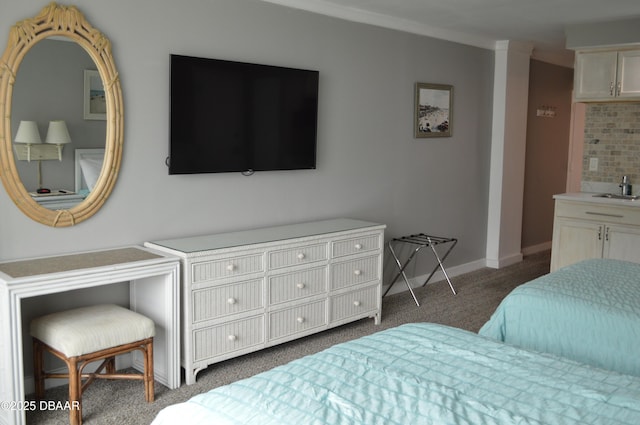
[
  {"x": 607, "y": 75},
  {"x": 629, "y": 74}
]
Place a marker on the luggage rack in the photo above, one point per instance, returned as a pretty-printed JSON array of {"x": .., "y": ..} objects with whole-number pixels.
[{"x": 420, "y": 240}]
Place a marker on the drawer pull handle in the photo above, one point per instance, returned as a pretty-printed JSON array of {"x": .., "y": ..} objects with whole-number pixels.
[
  {"x": 357, "y": 272},
  {"x": 300, "y": 285},
  {"x": 231, "y": 301},
  {"x": 301, "y": 256},
  {"x": 231, "y": 267},
  {"x": 358, "y": 246},
  {"x": 232, "y": 337},
  {"x": 356, "y": 303},
  {"x": 604, "y": 214},
  {"x": 300, "y": 320}
]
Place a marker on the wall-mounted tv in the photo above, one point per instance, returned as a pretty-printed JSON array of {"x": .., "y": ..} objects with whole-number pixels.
[{"x": 240, "y": 117}]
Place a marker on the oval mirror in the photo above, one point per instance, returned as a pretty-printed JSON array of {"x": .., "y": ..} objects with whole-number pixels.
[{"x": 101, "y": 109}]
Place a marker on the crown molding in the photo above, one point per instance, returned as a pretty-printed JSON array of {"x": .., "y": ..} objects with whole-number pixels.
[
  {"x": 377, "y": 19},
  {"x": 323, "y": 7}
]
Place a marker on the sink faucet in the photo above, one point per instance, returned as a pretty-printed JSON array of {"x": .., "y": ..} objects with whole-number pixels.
[{"x": 625, "y": 186}]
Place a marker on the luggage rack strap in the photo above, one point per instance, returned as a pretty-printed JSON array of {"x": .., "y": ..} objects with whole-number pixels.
[{"x": 424, "y": 239}]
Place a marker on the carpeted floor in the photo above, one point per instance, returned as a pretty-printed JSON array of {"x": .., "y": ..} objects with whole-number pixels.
[{"x": 479, "y": 293}]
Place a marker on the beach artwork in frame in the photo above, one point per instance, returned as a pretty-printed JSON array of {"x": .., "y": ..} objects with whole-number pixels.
[
  {"x": 433, "y": 110},
  {"x": 95, "y": 103}
]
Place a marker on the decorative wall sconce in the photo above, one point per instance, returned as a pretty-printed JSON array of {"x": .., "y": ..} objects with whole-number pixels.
[{"x": 28, "y": 144}]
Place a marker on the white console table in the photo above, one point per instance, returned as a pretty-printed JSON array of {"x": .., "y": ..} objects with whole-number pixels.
[
  {"x": 247, "y": 290},
  {"x": 154, "y": 291}
]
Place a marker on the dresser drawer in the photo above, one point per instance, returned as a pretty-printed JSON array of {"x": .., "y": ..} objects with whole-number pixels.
[
  {"x": 223, "y": 300},
  {"x": 297, "y": 285},
  {"x": 618, "y": 214},
  {"x": 354, "y": 272},
  {"x": 227, "y": 267},
  {"x": 290, "y": 321},
  {"x": 353, "y": 303},
  {"x": 295, "y": 256},
  {"x": 365, "y": 243},
  {"x": 226, "y": 338}
]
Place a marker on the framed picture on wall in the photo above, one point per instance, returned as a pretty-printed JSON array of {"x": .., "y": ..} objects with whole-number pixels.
[
  {"x": 95, "y": 103},
  {"x": 433, "y": 110}
]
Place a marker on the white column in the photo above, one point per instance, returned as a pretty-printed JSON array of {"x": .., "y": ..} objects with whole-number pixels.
[{"x": 509, "y": 133}]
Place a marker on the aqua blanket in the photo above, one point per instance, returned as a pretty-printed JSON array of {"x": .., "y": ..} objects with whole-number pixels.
[
  {"x": 420, "y": 374},
  {"x": 588, "y": 311}
]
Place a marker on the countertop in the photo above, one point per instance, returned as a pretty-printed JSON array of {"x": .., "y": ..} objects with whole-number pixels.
[{"x": 588, "y": 197}]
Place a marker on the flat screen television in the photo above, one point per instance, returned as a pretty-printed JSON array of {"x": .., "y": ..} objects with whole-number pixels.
[{"x": 241, "y": 117}]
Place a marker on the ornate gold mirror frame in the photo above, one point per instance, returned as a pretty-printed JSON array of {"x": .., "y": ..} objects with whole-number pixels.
[{"x": 65, "y": 21}]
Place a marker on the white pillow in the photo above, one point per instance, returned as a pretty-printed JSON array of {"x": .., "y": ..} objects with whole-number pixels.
[{"x": 91, "y": 168}]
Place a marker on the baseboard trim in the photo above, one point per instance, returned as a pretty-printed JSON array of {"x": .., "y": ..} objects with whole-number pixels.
[
  {"x": 504, "y": 261},
  {"x": 546, "y": 246}
]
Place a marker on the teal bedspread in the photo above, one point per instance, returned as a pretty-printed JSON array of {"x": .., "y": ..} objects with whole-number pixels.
[
  {"x": 588, "y": 311},
  {"x": 420, "y": 374}
]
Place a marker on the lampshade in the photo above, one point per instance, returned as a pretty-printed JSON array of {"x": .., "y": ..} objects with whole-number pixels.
[
  {"x": 28, "y": 133},
  {"x": 58, "y": 133}
]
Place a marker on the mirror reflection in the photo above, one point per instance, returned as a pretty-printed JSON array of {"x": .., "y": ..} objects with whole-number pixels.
[
  {"x": 99, "y": 104},
  {"x": 55, "y": 77}
]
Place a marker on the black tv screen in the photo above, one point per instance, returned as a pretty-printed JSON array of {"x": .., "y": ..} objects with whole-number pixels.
[{"x": 240, "y": 117}]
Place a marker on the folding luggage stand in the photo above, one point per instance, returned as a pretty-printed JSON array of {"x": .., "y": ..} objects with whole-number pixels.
[{"x": 420, "y": 240}]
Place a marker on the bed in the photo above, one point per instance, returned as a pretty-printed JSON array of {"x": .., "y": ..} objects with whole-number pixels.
[
  {"x": 420, "y": 374},
  {"x": 588, "y": 311},
  {"x": 88, "y": 166}
]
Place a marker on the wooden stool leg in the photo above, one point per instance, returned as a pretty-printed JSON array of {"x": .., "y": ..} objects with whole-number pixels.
[
  {"x": 38, "y": 368},
  {"x": 75, "y": 392},
  {"x": 148, "y": 372},
  {"x": 111, "y": 365},
  {"x": 76, "y": 364}
]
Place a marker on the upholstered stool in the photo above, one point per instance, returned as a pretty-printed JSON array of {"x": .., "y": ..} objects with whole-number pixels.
[{"x": 88, "y": 334}]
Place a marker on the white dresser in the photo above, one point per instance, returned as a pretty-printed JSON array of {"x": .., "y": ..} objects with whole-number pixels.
[{"x": 244, "y": 291}]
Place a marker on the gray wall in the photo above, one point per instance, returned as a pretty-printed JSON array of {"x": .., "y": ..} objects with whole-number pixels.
[{"x": 369, "y": 165}]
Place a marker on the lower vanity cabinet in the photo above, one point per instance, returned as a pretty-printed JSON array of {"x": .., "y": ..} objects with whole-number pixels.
[
  {"x": 591, "y": 229},
  {"x": 244, "y": 291}
]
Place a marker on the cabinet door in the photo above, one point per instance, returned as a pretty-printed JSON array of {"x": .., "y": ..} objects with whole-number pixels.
[
  {"x": 595, "y": 75},
  {"x": 622, "y": 243},
  {"x": 629, "y": 73},
  {"x": 575, "y": 240}
]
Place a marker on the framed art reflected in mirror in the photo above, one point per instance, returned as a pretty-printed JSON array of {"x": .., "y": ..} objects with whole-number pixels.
[{"x": 95, "y": 103}]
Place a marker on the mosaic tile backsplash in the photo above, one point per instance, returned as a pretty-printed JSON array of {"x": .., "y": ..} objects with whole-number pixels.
[{"x": 612, "y": 134}]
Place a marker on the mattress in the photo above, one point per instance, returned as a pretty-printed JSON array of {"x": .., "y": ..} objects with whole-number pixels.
[
  {"x": 588, "y": 311},
  {"x": 420, "y": 374}
]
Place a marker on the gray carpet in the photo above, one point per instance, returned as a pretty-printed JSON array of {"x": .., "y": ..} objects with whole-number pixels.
[{"x": 479, "y": 293}]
